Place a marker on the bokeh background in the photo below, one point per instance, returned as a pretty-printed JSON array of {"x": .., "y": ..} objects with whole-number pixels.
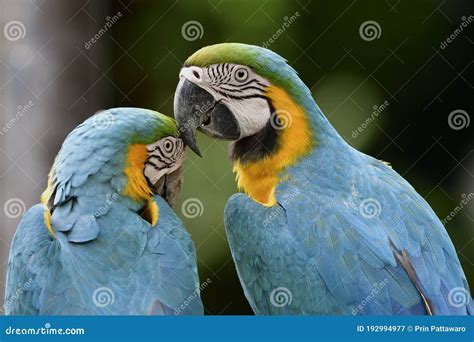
[{"x": 61, "y": 61}]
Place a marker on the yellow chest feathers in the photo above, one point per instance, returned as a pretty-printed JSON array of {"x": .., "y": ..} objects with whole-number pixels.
[{"x": 259, "y": 179}]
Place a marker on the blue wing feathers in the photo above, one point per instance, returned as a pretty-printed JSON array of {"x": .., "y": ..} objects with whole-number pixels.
[
  {"x": 105, "y": 259},
  {"x": 157, "y": 264},
  {"x": 335, "y": 260}
]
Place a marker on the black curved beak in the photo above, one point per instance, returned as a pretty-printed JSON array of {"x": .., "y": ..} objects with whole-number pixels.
[
  {"x": 195, "y": 108},
  {"x": 169, "y": 186}
]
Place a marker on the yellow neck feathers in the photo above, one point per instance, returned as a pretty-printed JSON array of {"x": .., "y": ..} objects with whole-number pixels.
[
  {"x": 137, "y": 187},
  {"x": 259, "y": 179}
]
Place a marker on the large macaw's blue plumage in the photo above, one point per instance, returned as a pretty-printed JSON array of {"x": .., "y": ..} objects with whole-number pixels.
[
  {"x": 104, "y": 257},
  {"x": 346, "y": 234},
  {"x": 332, "y": 259}
]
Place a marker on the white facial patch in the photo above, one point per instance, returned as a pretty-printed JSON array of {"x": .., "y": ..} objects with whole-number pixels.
[
  {"x": 239, "y": 88},
  {"x": 164, "y": 156}
]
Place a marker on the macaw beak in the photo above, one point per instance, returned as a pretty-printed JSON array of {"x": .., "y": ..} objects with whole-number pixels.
[
  {"x": 196, "y": 108},
  {"x": 169, "y": 186}
]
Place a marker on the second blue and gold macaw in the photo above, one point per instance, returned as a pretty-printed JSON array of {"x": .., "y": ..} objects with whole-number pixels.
[
  {"x": 322, "y": 228},
  {"x": 105, "y": 240}
]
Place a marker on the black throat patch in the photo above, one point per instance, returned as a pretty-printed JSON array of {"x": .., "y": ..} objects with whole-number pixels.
[{"x": 257, "y": 146}]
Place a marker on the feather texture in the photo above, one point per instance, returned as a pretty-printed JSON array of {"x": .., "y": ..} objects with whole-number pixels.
[
  {"x": 347, "y": 234},
  {"x": 332, "y": 242},
  {"x": 105, "y": 258}
]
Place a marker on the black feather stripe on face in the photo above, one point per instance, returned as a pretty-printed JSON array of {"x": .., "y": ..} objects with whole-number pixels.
[
  {"x": 157, "y": 167},
  {"x": 162, "y": 158},
  {"x": 234, "y": 104},
  {"x": 241, "y": 97},
  {"x": 223, "y": 81}
]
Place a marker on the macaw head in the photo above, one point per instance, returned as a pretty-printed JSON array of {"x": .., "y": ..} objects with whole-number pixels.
[
  {"x": 251, "y": 96},
  {"x": 153, "y": 153},
  {"x": 163, "y": 167},
  {"x": 231, "y": 91},
  {"x": 136, "y": 151}
]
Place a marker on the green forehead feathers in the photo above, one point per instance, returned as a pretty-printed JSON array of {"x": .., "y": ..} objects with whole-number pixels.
[{"x": 264, "y": 62}]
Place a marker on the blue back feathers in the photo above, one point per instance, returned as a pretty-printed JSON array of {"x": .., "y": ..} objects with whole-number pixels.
[
  {"x": 347, "y": 236},
  {"x": 105, "y": 258}
]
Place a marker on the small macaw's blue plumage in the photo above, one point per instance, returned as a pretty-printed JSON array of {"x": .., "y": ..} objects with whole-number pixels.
[
  {"x": 104, "y": 240},
  {"x": 322, "y": 228}
]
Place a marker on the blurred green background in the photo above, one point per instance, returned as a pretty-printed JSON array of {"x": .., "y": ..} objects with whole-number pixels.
[{"x": 136, "y": 61}]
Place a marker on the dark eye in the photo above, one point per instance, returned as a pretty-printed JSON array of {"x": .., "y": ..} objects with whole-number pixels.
[
  {"x": 168, "y": 146},
  {"x": 241, "y": 75}
]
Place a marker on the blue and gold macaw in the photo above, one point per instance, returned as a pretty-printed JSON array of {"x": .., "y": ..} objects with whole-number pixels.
[
  {"x": 104, "y": 239},
  {"x": 322, "y": 228}
]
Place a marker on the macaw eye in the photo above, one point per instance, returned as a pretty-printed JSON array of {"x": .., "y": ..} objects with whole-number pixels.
[
  {"x": 241, "y": 75},
  {"x": 168, "y": 146}
]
